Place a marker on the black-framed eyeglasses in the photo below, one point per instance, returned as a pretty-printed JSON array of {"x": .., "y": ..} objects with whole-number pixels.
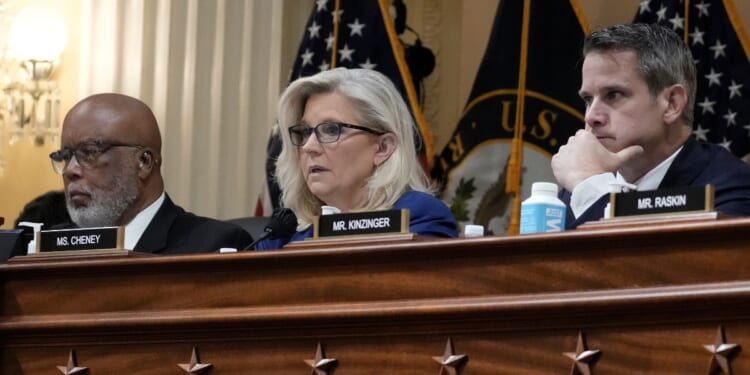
[
  {"x": 327, "y": 132},
  {"x": 86, "y": 154}
]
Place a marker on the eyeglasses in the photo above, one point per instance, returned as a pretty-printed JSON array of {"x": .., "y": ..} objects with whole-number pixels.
[
  {"x": 86, "y": 154},
  {"x": 327, "y": 132}
]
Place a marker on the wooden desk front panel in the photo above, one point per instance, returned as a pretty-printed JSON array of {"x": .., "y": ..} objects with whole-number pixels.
[
  {"x": 573, "y": 261},
  {"x": 649, "y": 298},
  {"x": 639, "y": 331}
]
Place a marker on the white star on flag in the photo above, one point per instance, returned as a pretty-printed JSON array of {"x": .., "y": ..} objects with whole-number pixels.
[
  {"x": 718, "y": 49},
  {"x": 713, "y": 78},
  {"x": 734, "y": 89},
  {"x": 313, "y": 29},
  {"x": 346, "y": 53},
  {"x": 700, "y": 133},
  {"x": 367, "y": 64},
  {"x": 676, "y": 22},
  {"x": 697, "y": 36},
  {"x": 662, "y": 13},
  {"x": 643, "y": 7},
  {"x": 730, "y": 117},
  {"x": 307, "y": 57},
  {"x": 356, "y": 27},
  {"x": 707, "y": 105},
  {"x": 702, "y": 9}
]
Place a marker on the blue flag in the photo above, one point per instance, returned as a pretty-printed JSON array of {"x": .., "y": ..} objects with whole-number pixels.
[
  {"x": 720, "y": 47},
  {"x": 525, "y": 92}
]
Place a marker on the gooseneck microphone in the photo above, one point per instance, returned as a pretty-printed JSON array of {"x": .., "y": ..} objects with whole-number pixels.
[{"x": 283, "y": 223}]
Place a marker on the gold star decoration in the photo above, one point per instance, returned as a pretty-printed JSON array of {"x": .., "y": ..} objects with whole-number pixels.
[
  {"x": 320, "y": 364},
  {"x": 450, "y": 362},
  {"x": 583, "y": 358},
  {"x": 722, "y": 354},
  {"x": 195, "y": 367},
  {"x": 72, "y": 368}
]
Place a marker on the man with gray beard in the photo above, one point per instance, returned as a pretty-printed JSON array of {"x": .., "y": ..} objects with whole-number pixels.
[{"x": 110, "y": 161}]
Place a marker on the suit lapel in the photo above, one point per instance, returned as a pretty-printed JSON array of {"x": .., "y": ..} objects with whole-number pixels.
[
  {"x": 683, "y": 170},
  {"x": 154, "y": 238}
]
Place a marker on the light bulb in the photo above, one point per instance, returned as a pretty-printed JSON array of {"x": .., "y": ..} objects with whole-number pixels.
[{"x": 38, "y": 33}]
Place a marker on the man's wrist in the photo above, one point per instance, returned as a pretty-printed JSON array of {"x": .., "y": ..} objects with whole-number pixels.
[{"x": 588, "y": 191}]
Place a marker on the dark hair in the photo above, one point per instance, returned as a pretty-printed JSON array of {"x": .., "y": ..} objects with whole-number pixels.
[
  {"x": 663, "y": 58},
  {"x": 48, "y": 208}
]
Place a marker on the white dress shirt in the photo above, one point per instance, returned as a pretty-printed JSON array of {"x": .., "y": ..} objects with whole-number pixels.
[
  {"x": 591, "y": 189},
  {"x": 135, "y": 228}
]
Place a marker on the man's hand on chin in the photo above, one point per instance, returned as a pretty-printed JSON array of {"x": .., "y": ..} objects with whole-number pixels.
[{"x": 584, "y": 156}]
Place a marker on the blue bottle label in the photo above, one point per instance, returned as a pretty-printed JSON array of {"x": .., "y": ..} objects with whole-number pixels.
[{"x": 539, "y": 217}]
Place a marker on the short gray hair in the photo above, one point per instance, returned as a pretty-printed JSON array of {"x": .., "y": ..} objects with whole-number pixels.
[{"x": 378, "y": 105}]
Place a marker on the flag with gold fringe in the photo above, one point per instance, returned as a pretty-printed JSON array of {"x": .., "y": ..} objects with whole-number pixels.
[
  {"x": 524, "y": 104},
  {"x": 714, "y": 32}
]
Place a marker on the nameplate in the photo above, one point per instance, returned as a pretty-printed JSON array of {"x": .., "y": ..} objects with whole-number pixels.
[
  {"x": 662, "y": 201},
  {"x": 80, "y": 239},
  {"x": 357, "y": 223}
]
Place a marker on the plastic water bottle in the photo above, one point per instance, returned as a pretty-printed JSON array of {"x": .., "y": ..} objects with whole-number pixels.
[{"x": 542, "y": 211}]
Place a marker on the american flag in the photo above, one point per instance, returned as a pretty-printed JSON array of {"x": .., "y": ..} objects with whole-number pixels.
[
  {"x": 713, "y": 31},
  {"x": 361, "y": 40},
  {"x": 358, "y": 34},
  {"x": 352, "y": 34}
]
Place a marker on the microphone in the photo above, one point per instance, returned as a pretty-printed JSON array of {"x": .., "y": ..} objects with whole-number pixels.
[{"x": 283, "y": 223}]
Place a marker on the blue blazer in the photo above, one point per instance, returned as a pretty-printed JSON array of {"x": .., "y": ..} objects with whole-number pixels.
[
  {"x": 697, "y": 164},
  {"x": 428, "y": 216}
]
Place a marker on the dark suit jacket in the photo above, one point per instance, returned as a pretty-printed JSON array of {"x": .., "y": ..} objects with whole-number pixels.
[
  {"x": 697, "y": 164},
  {"x": 175, "y": 231}
]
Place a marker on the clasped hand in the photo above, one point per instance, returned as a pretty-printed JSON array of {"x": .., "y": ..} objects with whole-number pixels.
[{"x": 584, "y": 156}]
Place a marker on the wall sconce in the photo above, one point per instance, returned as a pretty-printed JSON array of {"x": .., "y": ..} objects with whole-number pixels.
[{"x": 30, "y": 101}]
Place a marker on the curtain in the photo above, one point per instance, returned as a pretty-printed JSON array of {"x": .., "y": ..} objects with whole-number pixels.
[{"x": 211, "y": 72}]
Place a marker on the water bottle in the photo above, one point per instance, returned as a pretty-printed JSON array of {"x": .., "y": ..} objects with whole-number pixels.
[{"x": 542, "y": 211}]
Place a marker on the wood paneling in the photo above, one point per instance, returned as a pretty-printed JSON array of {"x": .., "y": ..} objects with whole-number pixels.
[{"x": 648, "y": 297}]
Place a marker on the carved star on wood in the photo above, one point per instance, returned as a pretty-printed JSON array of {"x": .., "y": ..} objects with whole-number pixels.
[
  {"x": 72, "y": 368},
  {"x": 320, "y": 364},
  {"x": 583, "y": 358},
  {"x": 195, "y": 367},
  {"x": 450, "y": 362},
  {"x": 722, "y": 354}
]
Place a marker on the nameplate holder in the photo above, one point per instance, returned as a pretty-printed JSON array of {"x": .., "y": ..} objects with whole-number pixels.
[
  {"x": 362, "y": 223},
  {"x": 80, "y": 239},
  {"x": 692, "y": 199}
]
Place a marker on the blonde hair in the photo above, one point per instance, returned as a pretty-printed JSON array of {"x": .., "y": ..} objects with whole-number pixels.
[{"x": 379, "y": 106}]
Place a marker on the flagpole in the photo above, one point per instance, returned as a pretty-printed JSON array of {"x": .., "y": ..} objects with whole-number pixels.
[
  {"x": 737, "y": 26},
  {"x": 685, "y": 33},
  {"x": 398, "y": 54},
  {"x": 515, "y": 161},
  {"x": 336, "y": 21}
]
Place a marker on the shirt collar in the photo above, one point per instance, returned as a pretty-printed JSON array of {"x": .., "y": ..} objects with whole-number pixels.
[
  {"x": 135, "y": 228},
  {"x": 652, "y": 179}
]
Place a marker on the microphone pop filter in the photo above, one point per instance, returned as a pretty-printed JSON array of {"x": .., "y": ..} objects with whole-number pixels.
[{"x": 283, "y": 223}]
